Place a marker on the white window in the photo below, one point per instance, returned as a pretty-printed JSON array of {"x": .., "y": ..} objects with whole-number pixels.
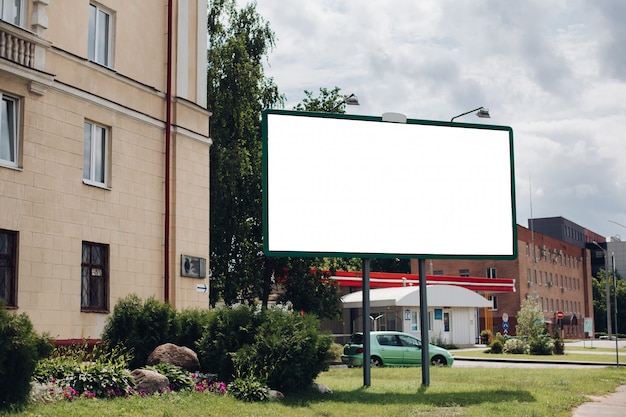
[
  {"x": 12, "y": 11},
  {"x": 95, "y": 150},
  {"x": 9, "y": 130},
  {"x": 100, "y": 35}
]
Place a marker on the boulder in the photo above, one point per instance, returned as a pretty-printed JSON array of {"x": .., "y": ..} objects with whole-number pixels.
[
  {"x": 324, "y": 389},
  {"x": 149, "y": 381},
  {"x": 175, "y": 355}
]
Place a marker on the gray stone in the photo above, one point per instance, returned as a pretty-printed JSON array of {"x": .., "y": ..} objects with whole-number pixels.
[
  {"x": 149, "y": 381},
  {"x": 175, "y": 355}
]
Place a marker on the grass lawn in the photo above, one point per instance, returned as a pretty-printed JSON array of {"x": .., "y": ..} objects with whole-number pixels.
[
  {"x": 572, "y": 354},
  {"x": 394, "y": 392}
]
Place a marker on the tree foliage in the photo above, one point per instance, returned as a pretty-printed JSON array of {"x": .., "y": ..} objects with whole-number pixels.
[
  {"x": 238, "y": 91},
  {"x": 530, "y": 319},
  {"x": 599, "y": 302}
]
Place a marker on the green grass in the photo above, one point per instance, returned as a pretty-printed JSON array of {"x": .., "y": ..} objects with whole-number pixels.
[
  {"x": 599, "y": 355},
  {"x": 393, "y": 392}
]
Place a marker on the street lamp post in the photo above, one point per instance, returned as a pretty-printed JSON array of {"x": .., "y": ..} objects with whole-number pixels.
[
  {"x": 615, "y": 307},
  {"x": 480, "y": 112},
  {"x": 608, "y": 289},
  {"x": 351, "y": 100}
]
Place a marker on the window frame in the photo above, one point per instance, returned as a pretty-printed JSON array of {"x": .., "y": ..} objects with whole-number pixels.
[
  {"x": 9, "y": 260},
  {"x": 13, "y": 121},
  {"x": 104, "y": 148},
  {"x": 89, "y": 278},
  {"x": 95, "y": 35},
  {"x": 18, "y": 19}
]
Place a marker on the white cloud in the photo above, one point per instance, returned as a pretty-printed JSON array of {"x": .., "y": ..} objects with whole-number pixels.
[{"x": 553, "y": 71}]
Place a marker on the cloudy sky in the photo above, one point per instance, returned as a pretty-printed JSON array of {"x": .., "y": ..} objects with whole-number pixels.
[{"x": 555, "y": 71}]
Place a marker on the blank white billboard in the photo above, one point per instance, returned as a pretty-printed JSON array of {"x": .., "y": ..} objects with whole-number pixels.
[{"x": 354, "y": 186}]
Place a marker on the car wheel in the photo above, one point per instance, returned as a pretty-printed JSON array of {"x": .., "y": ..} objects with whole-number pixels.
[
  {"x": 376, "y": 362},
  {"x": 438, "y": 361}
]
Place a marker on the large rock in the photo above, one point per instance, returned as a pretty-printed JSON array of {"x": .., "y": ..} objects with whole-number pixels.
[
  {"x": 149, "y": 381},
  {"x": 176, "y": 355}
]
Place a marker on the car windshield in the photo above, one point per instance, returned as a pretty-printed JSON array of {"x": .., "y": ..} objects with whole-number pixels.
[{"x": 357, "y": 339}]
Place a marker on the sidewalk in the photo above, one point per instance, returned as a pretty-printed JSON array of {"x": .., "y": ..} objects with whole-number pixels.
[{"x": 610, "y": 405}]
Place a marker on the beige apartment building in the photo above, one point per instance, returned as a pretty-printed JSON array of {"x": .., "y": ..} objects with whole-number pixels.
[{"x": 104, "y": 158}]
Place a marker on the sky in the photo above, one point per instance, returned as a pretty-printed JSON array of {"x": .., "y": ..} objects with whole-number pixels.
[{"x": 554, "y": 71}]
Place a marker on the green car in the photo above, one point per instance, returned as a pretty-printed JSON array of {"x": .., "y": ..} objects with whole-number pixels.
[{"x": 393, "y": 349}]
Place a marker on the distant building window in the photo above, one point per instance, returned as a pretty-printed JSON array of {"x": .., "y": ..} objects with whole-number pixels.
[
  {"x": 8, "y": 267},
  {"x": 464, "y": 272},
  {"x": 9, "y": 130},
  {"x": 100, "y": 35},
  {"x": 95, "y": 150},
  {"x": 491, "y": 273},
  {"x": 494, "y": 300},
  {"x": 94, "y": 277},
  {"x": 438, "y": 272},
  {"x": 12, "y": 11}
]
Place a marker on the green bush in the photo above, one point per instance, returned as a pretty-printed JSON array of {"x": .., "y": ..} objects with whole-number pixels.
[
  {"x": 140, "y": 327},
  {"x": 20, "y": 349},
  {"x": 249, "y": 389},
  {"x": 227, "y": 330},
  {"x": 180, "y": 379},
  {"x": 334, "y": 352},
  {"x": 541, "y": 345},
  {"x": 192, "y": 324},
  {"x": 558, "y": 347},
  {"x": 516, "y": 346},
  {"x": 105, "y": 375},
  {"x": 496, "y": 346},
  {"x": 288, "y": 351}
]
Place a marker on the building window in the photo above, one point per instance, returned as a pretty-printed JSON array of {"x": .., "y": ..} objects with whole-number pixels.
[
  {"x": 8, "y": 267},
  {"x": 494, "y": 301},
  {"x": 491, "y": 273},
  {"x": 464, "y": 272},
  {"x": 438, "y": 272},
  {"x": 95, "y": 150},
  {"x": 9, "y": 123},
  {"x": 95, "y": 278},
  {"x": 100, "y": 35},
  {"x": 12, "y": 11}
]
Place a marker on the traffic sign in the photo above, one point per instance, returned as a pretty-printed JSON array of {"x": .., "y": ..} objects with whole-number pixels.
[
  {"x": 559, "y": 315},
  {"x": 202, "y": 288},
  {"x": 505, "y": 325},
  {"x": 505, "y": 317}
]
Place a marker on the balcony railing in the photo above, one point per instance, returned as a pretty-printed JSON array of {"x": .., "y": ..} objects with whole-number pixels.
[{"x": 22, "y": 47}]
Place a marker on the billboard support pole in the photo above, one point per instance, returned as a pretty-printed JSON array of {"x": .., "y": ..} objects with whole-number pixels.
[
  {"x": 367, "y": 379},
  {"x": 424, "y": 323}
]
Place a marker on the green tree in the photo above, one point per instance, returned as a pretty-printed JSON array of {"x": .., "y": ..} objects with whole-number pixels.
[
  {"x": 530, "y": 319},
  {"x": 328, "y": 101},
  {"x": 238, "y": 91},
  {"x": 599, "y": 302}
]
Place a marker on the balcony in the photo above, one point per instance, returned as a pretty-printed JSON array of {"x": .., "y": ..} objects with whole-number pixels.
[{"x": 23, "y": 53}]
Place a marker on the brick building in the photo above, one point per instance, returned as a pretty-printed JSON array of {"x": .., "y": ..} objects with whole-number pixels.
[{"x": 555, "y": 273}]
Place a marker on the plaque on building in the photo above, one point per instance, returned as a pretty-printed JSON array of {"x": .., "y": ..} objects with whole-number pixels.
[{"x": 192, "y": 266}]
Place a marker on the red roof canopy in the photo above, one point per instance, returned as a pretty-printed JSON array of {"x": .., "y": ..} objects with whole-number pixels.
[{"x": 391, "y": 279}]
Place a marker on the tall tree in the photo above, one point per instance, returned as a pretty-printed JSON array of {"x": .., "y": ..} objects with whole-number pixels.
[{"x": 238, "y": 91}]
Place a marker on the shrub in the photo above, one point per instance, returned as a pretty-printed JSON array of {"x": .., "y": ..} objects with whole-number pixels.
[
  {"x": 140, "y": 327},
  {"x": 104, "y": 375},
  {"x": 516, "y": 346},
  {"x": 191, "y": 324},
  {"x": 20, "y": 349},
  {"x": 180, "y": 379},
  {"x": 558, "y": 347},
  {"x": 334, "y": 352},
  {"x": 541, "y": 345},
  {"x": 288, "y": 351},
  {"x": 249, "y": 389},
  {"x": 227, "y": 330},
  {"x": 496, "y": 346}
]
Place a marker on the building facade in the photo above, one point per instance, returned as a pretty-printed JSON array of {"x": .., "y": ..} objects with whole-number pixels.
[
  {"x": 104, "y": 158},
  {"x": 556, "y": 274}
]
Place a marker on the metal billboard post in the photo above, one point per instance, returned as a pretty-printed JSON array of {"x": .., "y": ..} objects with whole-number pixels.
[
  {"x": 367, "y": 378},
  {"x": 424, "y": 322}
]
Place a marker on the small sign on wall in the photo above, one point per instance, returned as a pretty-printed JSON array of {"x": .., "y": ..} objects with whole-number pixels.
[{"x": 192, "y": 266}]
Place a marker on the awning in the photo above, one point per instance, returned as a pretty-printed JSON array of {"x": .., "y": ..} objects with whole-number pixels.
[
  {"x": 390, "y": 279},
  {"x": 438, "y": 296}
]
